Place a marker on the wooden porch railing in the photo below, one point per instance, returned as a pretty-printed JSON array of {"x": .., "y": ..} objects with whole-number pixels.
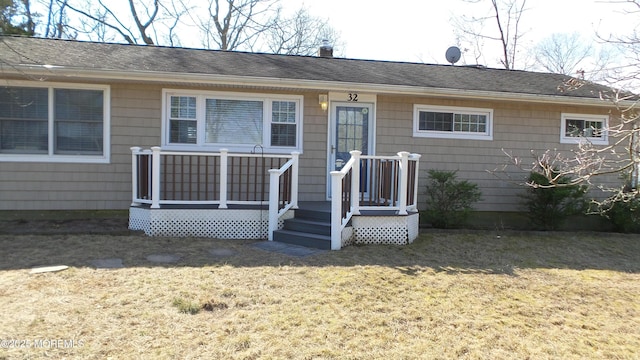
[{"x": 372, "y": 183}]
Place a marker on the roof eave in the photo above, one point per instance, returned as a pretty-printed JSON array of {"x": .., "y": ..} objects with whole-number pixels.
[{"x": 45, "y": 71}]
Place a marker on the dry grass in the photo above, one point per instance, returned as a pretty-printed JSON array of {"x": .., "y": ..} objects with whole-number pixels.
[{"x": 449, "y": 295}]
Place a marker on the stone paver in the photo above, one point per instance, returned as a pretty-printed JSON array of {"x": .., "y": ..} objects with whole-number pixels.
[
  {"x": 287, "y": 249},
  {"x": 164, "y": 258},
  {"x": 222, "y": 252}
]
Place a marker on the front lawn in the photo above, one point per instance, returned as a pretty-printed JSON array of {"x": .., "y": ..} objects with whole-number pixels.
[{"x": 449, "y": 295}]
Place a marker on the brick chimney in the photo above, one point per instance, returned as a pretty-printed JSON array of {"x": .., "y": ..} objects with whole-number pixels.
[{"x": 325, "y": 50}]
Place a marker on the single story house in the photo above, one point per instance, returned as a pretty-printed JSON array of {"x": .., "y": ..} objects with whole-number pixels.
[{"x": 202, "y": 142}]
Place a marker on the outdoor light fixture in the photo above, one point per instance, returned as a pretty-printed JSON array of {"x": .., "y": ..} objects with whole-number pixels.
[{"x": 323, "y": 100}]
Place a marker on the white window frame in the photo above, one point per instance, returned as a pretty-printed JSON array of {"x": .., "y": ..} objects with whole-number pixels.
[
  {"x": 201, "y": 97},
  {"x": 487, "y": 135},
  {"x": 603, "y": 140},
  {"x": 51, "y": 157}
]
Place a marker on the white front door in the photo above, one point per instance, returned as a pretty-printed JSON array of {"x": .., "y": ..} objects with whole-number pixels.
[{"x": 351, "y": 128}]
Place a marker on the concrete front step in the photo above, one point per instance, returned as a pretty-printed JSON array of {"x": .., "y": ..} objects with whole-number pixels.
[{"x": 303, "y": 238}]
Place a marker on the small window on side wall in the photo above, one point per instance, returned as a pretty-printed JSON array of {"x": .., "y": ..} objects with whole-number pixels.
[
  {"x": 452, "y": 123},
  {"x": 576, "y": 128}
]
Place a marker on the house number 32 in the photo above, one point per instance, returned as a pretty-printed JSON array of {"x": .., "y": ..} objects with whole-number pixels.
[{"x": 353, "y": 97}]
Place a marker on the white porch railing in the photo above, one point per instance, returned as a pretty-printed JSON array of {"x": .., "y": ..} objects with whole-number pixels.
[
  {"x": 372, "y": 183},
  {"x": 196, "y": 178},
  {"x": 365, "y": 183}
]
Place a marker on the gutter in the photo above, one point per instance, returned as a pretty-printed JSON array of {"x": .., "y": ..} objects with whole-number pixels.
[{"x": 43, "y": 71}]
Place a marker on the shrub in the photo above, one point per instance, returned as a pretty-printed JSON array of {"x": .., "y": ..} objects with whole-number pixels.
[
  {"x": 449, "y": 200},
  {"x": 624, "y": 212},
  {"x": 624, "y": 215},
  {"x": 549, "y": 207}
]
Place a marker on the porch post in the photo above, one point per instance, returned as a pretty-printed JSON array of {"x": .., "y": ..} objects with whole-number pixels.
[
  {"x": 134, "y": 174},
  {"x": 415, "y": 181},
  {"x": 155, "y": 177},
  {"x": 274, "y": 191},
  {"x": 355, "y": 182},
  {"x": 295, "y": 156},
  {"x": 336, "y": 210},
  {"x": 224, "y": 159},
  {"x": 404, "y": 181}
]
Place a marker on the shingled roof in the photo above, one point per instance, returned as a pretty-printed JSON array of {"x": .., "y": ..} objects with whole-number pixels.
[{"x": 87, "y": 57}]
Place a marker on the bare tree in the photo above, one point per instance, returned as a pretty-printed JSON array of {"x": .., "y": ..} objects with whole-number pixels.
[
  {"x": 571, "y": 54},
  {"x": 501, "y": 23},
  {"x": 57, "y": 20},
  {"x": 300, "y": 34},
  {"x": 235, "y": 24},
  {"x": 98, "y": 17}
]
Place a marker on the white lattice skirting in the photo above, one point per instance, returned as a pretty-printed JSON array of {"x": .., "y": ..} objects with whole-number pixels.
[
  {"x": 392, "y": 230},
  {"x": 211, "y": 223},
  {"x": 254, "y": 223}
]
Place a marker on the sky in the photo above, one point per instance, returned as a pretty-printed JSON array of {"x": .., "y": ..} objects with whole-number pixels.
[{"x": 421, "y": 30}]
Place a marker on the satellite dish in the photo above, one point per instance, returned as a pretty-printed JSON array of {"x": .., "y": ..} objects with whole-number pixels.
[{"x": 453, "y": 54}]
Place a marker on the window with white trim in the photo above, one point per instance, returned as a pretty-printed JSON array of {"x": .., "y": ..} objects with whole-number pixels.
[
  {"x": 235, "y": 121},
  {"x": 56, "y": 123},
  {"x": 453, "y": 123},
  {"x": 580, "y": 127}
]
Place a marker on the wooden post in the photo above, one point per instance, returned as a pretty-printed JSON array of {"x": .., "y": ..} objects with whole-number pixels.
[
  {"x": 404, "y": 182},
  {"x": 336, "y": 210},
  {"x": 355, "y": 182},
  {"x": 155, "y": 178},
  {"x": 274, "y": 191},
  {"x": 415, "y": 181},
  {"x": 224, "y": 160},
  {"x": 295, "y": 156},
  {"x": 134, "y": 175}
]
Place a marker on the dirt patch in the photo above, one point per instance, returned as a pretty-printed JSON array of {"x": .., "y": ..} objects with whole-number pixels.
[{"x": 112, "y": 225}]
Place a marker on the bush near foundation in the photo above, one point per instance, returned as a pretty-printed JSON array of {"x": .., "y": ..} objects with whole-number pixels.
[
  {"x": 449, "y": 201},
  {"x": 549, "y": 205}
]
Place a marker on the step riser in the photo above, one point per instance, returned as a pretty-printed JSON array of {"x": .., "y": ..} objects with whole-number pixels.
[
  {"x": 292, "y": 224},
  {"x": 313, "y": 215},
  {"x": 302, "y": 241}
]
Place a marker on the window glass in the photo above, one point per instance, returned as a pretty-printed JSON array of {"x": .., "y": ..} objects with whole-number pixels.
[
  {"x": 233, "y": 121},
  {"x": 283, "y": 127},
  {"x": 78, "y": 121},
  {"x": 449, "y": 121},
  {"x": 183, "y": 127},
  {"x": 24, "y": 120},
  {"x": 452, "y": 123},
  {"x": 580, "y": 127}
]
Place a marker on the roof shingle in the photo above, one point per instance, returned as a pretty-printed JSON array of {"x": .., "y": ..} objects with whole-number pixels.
[{"x": 18, "y": 51}]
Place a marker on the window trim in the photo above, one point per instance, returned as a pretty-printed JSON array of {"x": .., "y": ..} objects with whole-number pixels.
[
  {"x": 417, "y": 108},
  {"x": 564, "y": 139},
  {"x": 201, "y": 97},
  {"x": 52, "y": 157}
]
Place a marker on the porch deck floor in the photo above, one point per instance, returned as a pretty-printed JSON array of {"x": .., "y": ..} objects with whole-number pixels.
[{"x": 323, "y": 206}]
